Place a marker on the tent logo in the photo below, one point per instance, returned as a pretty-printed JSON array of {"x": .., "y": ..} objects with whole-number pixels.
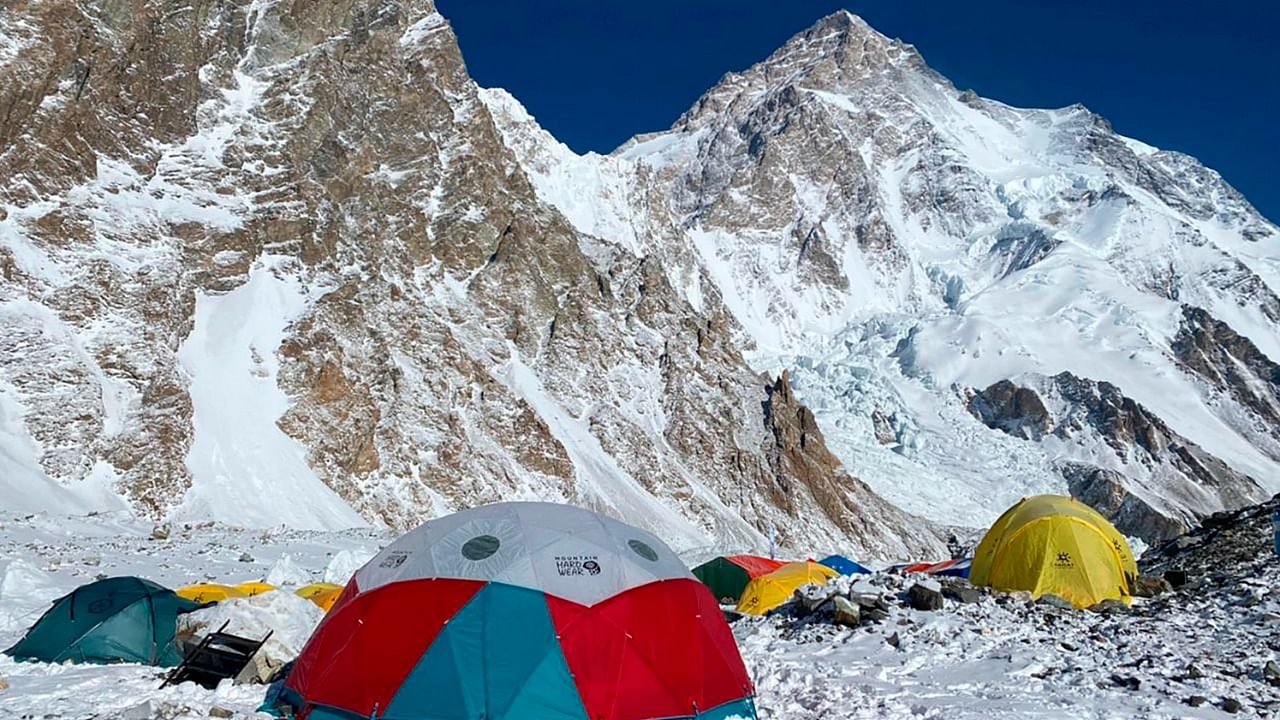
[
  {"x": 394, "y": 559},
  {"x": 101, "y": 605},
  {"x": 1063, "y": 560},
  {"x": 572, "y": 565}
]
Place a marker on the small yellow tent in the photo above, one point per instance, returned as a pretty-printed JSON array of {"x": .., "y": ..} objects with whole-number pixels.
[
  {"x": 322, "y": 594},
  {"x": 773, "y": 589},
  {"x": 1055, "y": 545},
  {"x": 209, "y": 592},
  {"x": 254, "y": 588}
]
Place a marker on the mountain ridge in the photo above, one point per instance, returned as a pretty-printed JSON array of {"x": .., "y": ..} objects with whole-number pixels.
[{"x": 938, "y": 200}]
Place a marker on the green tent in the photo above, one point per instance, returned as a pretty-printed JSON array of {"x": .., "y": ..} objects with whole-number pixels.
[
  {"x": 727, "y": 576},
  {"x": 123, "y": 619}
]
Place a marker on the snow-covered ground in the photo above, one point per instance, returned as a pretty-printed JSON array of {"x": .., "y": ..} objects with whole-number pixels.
[{"x": 988, "y": 660}]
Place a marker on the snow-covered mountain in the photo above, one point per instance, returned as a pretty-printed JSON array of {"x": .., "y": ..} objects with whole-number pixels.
[
  {"x": 272, "y": 263},
  {"x": 284, "y": 263},
  {"x": 978, "y": 301}
]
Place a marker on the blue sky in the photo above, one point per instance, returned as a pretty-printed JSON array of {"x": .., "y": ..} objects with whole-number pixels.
[{"x": 1190, "y": 75}]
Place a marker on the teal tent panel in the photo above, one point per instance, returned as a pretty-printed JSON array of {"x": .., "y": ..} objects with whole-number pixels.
[
  {"x": 126, "y": 636},
  {"x": 497, "y": 659},
  {"x": 744, "y": 709}
]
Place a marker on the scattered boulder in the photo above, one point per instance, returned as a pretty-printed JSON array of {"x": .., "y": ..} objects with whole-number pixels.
[
  {"x": 1110, "y": 606},
  {"x": 894, "y": 640},
  {"x": 964, "y": 594},
  {"x": 4, "y": 684},
  {"x": 1176, "y": 578},
  {"x": 246, "y": 558},
  {"x": 811, "y": 597},
  {"x": 923, "y": 597},
  {"x": 218, "y": 711},
  {"x": 1271, "y": 673},
  {"x": 1196, "y": 700},
  {"x": 847, "y": 613},
  {"x": 160, "y": 532},
  {"x": 1126, "y": 681},
  {"x": 1231, "y": 705},
  {"x": 1148, "y": 587}
]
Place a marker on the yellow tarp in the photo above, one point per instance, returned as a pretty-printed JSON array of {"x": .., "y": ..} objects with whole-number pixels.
[
  {"x": 254, "y": 588},
  {"x": 322, "y": 594},
  {"x": 1054, "y": 545},
  {"x": 773, "y": 589},
  {"x": 209, "y": 592}
]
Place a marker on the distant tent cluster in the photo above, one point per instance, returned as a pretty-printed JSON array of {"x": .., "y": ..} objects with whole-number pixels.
[
  {"x": 322, "y": 594},
  {"x": 1046, "y": 545},
  {"x": 758, "y": 584}
]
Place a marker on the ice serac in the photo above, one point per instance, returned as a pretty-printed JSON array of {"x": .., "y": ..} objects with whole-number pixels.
[
  {"x": 901, "y": 245},
  {"x": 274, "y": 262}
]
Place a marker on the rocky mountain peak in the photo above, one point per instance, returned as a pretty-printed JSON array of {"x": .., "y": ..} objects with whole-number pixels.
[{"x": 840, "y": 53}]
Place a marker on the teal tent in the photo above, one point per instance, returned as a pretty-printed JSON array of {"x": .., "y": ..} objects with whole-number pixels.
[{"x": 123, "y": 619}]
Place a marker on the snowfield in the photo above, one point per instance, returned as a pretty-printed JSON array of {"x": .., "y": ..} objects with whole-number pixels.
[{"x": 1005, "y": 659}]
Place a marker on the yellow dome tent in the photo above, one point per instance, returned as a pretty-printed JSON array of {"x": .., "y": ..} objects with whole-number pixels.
[
  {"x": 773, "y": 589},
  {"x": 1055, "y": 545},
  {"x": 254, "y": 588},
  {"x": 322, "y": 594},
  {"x": 209, "y": 592}
]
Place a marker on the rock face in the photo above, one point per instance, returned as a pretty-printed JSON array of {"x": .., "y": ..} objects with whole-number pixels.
[
  {"x": 273, "y": 262},
  {"x": 1116, "y": 455}
]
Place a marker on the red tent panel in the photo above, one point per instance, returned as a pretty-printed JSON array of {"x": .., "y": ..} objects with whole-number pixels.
[
  {"x": 755, "y": 565},
  {"x": 629, "y": 667},
  {"x": 366, "y": 646}
]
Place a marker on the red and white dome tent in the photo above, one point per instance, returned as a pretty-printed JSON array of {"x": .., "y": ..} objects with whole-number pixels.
[{"x": 519, "y": 611}]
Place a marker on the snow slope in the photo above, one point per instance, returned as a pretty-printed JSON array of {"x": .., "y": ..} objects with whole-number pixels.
[{"x": 245, "y": 469}]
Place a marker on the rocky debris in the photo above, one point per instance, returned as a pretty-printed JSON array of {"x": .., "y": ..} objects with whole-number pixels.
[
  {"x": 1196, "y": 700},
  {"x": 1232, "y": 705},
  {"x": 217, "y": 711},
  {"x": 923, "y": 597},
  {"x": 1271, "y": 673},
  {"x": 1126, "y": 681},
  {"x": 4, "y": 684},
  {"x": 812, "y": 597},
  {"x": 1229, "y": 545},
  {"x": 962, "y": 593},
  {"x": 1145, "y": 586},
  {"x": 161, "y": 531},
  {"x": 1107, "y": 607},
  {"x": 1175, "y": 578},
  {"x": 846, "y": 613},
  {"x": 246, "y": 557},
  {"x": 261, "y": 669}
]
